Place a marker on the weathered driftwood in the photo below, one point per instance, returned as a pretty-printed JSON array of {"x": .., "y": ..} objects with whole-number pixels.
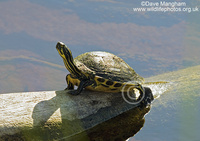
[{"x": 57, "y": 115}]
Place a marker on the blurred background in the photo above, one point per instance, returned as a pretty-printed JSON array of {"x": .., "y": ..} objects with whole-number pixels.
[{"x": 150, "y": 42}]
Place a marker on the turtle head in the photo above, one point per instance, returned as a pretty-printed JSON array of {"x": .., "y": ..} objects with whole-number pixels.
[
  {"x": 68, "y": 60},
  {"x": 64, "y": 51}
]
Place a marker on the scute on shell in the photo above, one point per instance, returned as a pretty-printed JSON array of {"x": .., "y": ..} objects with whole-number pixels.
[{"x": 108, "y": 66}]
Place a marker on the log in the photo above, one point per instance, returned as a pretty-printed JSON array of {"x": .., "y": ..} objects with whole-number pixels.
[{"x": 56, "y": 115}]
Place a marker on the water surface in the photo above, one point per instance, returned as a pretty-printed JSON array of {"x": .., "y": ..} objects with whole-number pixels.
[{"x": 151, "y": 42}]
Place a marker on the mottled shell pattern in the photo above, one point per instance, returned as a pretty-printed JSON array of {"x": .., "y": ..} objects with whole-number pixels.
[{"x": 108, "y": 66}]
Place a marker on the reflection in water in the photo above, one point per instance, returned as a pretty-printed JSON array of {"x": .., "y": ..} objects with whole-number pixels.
[{"x": 119, "y": 128}]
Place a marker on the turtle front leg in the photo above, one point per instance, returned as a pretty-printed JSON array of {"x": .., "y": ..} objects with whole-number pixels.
[
  {"x": 70, "y": 86},
  {"x": 83, "y": 84}
]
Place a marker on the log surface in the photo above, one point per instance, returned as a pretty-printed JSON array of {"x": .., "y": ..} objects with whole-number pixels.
[{"x": 30, "y": 110}]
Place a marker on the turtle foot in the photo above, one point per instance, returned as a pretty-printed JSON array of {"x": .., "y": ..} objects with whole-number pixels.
[
  {"x": 148, "y": 98},
  {"x": 72, "y": 92}
]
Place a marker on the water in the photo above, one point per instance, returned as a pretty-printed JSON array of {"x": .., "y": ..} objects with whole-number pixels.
[
  {"x": 178, "y": 120},
  {"x": 151, "y": 42},
  {"x": 174, "y": 115}
]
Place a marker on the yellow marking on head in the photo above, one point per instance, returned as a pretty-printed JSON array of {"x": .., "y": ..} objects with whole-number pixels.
[{"x": 66, "y": 54}]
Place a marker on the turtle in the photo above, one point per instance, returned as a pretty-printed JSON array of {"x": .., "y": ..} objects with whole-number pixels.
[{"x": 98, "y": 71}]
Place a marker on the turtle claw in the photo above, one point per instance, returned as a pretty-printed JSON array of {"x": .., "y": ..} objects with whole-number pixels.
[
  {"x": 82, "y": 85},
  {"x": 73, "y": 92},
  {"x": 68, "y": 89}
]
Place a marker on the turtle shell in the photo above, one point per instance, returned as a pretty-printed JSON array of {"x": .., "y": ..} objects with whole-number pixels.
[{"x": 108, "y": 66}]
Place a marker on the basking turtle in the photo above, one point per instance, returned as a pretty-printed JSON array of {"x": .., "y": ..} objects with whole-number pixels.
[{"x": 98, "y": 71}]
